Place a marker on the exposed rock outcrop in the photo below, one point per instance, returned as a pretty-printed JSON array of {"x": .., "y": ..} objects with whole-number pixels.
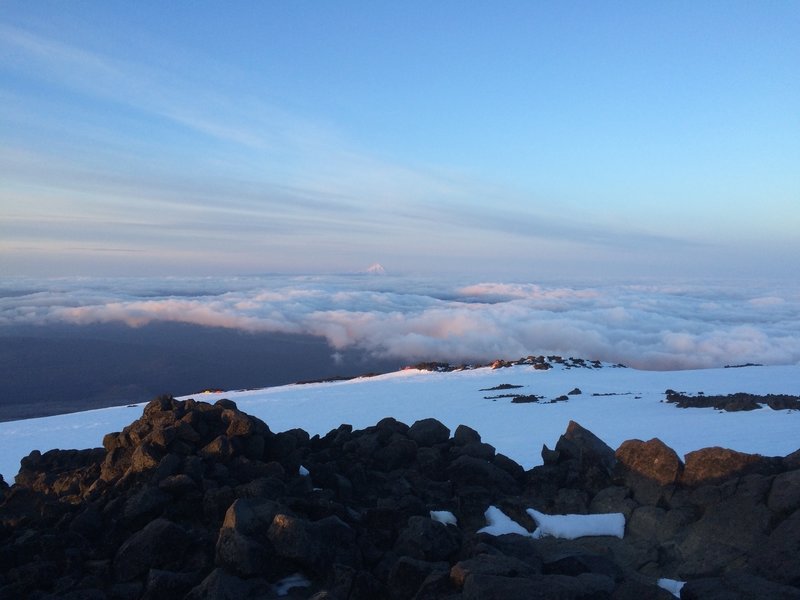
[{"x": 195, "y": 500}]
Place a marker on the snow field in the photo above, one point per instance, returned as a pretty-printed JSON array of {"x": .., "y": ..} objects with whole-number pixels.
[{"x": 635, "y": 411}]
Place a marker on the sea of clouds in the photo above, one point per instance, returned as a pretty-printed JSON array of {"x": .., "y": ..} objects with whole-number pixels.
[{"x": 675, "y": 326}]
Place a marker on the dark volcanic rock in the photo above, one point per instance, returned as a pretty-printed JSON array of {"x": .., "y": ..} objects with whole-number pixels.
[
  {"x": 581, "y": 444},
  {"x": 195, "y": 501},
  {"x": 737, "y": 586},
  {"x": 428, "y": 432},
  {"x": 160, "y": 544}
]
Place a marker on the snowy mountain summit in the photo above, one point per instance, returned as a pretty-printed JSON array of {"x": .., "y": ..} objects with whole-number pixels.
[{"x": 375, "y": 269}]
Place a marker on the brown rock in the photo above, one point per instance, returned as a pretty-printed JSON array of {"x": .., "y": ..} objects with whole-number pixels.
[
  {"x": 716, "y": 464},
  {"x": 652, "y": 459}
]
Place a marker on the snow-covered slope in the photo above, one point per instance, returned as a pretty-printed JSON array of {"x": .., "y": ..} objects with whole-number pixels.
[{"x": 629, "y": 405}]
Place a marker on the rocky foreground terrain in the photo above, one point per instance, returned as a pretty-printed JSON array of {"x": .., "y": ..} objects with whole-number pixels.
[{"x": 195, "y": 500}]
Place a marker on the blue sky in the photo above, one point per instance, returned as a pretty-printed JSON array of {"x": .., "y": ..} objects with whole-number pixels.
[{"x": 506, "y": 140}]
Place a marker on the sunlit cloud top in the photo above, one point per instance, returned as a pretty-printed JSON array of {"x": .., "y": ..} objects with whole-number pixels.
[{"x": 655, "y": 327}]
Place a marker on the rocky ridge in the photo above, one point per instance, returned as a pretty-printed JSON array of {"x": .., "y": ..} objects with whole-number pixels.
[{"x": 196, "y": 500}]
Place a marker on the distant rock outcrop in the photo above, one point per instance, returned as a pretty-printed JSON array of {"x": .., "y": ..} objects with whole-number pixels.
[
  {"x": 201, "y": 501},
  {"x": 734, "y": 402}
]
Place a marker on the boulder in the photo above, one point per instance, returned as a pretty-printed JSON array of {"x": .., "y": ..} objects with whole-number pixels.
[
  {"x": 712, "y": 465},
  {"x": 428, "y": 432},
  {"x": 580, "y": 443},
  {"x": 653, "y": 460},
  {"x": 465, "y": 435},
  {"x": 646, "y": 468},
  {"x": 784, "y": 497}
]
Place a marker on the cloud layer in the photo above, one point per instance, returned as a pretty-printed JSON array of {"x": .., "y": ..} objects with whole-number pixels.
[{"x": 652, "y": 327}]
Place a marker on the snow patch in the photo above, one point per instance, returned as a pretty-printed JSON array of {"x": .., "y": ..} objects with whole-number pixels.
[
  {"x": 499, "y": 523},
  {"x": 570, "y": 527},
  {"x": 444, "y": 516},
  {"x": 303, "y": 471},
  {"x": 672, "y": 586}
]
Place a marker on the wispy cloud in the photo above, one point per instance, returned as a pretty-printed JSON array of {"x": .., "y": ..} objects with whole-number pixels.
[
  {"x": 643, "y": 326},
  {"x": 164, "y": 163}
]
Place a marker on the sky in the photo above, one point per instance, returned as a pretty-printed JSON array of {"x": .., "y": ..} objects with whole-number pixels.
[{"x": 510, "y": 141}]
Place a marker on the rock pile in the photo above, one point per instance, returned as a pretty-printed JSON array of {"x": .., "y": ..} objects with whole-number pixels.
[
  {"x": 733, "y": 402},
  {"x": 195, "y": 501}
]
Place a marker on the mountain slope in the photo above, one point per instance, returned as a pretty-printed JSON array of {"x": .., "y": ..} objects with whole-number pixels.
[{"x": 630, "y": 405}]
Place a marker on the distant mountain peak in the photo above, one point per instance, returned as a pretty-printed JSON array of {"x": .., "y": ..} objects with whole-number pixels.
[{"x": 375, "y": 269}]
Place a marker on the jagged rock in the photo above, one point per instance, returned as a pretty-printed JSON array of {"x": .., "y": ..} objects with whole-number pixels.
[
  {"x": 550, "y": 457},
  {"x": 590, "y": 451}
]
